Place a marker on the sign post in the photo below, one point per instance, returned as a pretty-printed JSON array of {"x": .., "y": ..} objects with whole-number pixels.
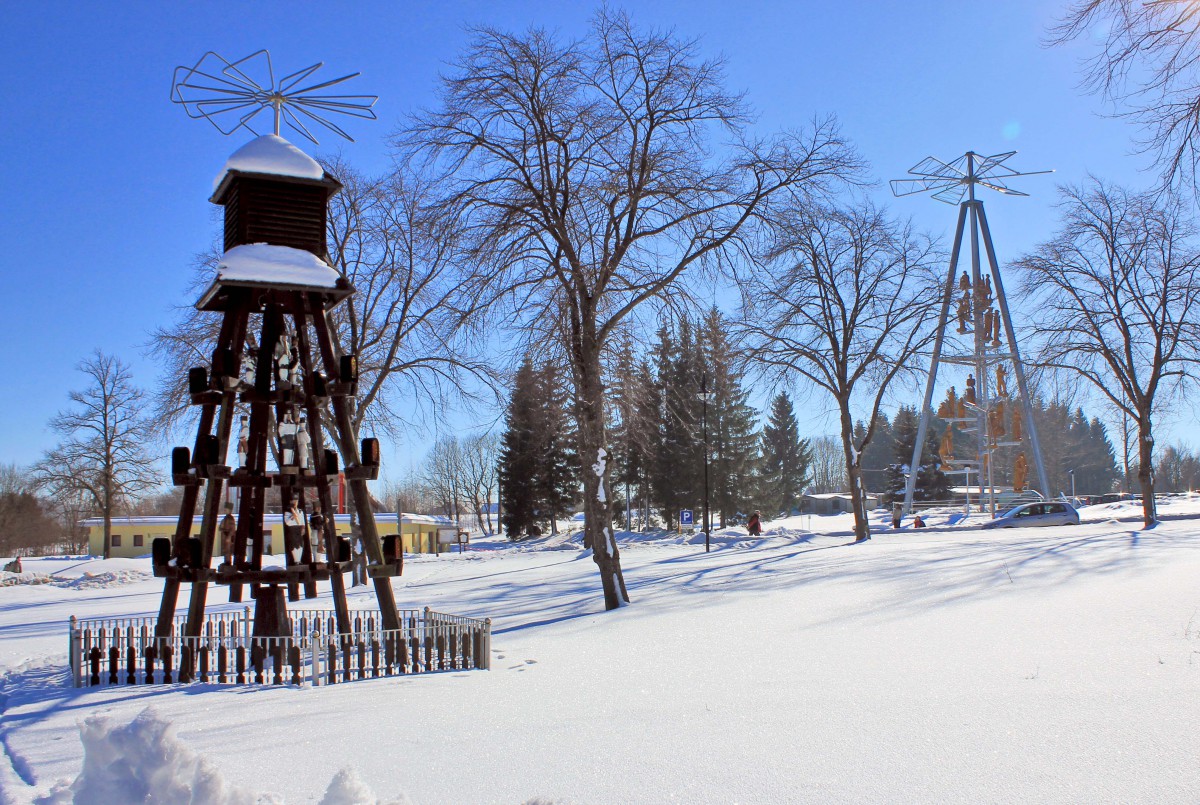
[{"x": 686, "y": 520}]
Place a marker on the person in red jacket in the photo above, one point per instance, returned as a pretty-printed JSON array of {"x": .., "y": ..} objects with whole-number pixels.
[{"x": 754, "y": 526}]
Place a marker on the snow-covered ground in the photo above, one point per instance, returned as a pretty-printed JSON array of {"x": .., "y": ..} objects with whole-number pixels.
[{"x": 943, "y": 665}]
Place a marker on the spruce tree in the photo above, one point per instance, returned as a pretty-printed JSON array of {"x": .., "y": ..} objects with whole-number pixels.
[
  {"x": 931, "y": 484},
  {"x": 877, "y": 456},
  {"x": 731, "y": 436},
  {"x": 557, "y": 470},
  {"x": 518, "y": 470},
  {"x": 785, "y": 459},
  {"x": 679, "y": 461}
]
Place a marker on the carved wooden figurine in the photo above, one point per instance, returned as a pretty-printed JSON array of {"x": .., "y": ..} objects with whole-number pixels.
[
  {"x": 964, "y": 311},
  {"x": 1019, "y": 471},
  {"x": 969, "y": 394},
  {"x": 243, "y": 444},
  {"x": 303, "y": 447},
  {"x": 287, "y": 440},
  {"x": 946, "y": 448},
  {"x": 984, "y": 292},
  {"x": 996, "y": 428},
  {"x": 1001, "y": 381},
  {"x": 949, "y": 407}
]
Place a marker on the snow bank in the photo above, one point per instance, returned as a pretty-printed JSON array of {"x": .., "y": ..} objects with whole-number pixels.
[
  {"x": 347, "y": 789},
  {"x": 12, "y": 579},
  {"x": 262, "y": 262},
  {"x": 92, "y": 581},
  {"x": 272, "y": 154},
  {"x": 143, "y": 761}
]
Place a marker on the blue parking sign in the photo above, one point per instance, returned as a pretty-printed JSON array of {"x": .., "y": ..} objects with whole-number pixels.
[{"x": 685, "y": 517}]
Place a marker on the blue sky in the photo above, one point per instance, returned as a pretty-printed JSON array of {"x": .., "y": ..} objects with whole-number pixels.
[{"x": 107, "y": 182}]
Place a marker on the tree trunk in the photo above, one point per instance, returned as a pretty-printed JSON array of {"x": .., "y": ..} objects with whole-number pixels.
[
  {"x": 108, "y": 510},
  {"x": 1146, "y": 470},
  {"x": 594, "y": 460},
  {"x": 862, "y": 528}
]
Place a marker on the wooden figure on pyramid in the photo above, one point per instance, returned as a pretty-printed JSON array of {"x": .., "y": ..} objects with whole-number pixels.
[{"x": 275, "y": 355}]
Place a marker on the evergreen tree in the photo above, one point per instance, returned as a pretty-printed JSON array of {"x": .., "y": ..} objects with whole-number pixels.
[
  {"x": 646, "y": 432},
  {"x": 679, "y": 456},
  {"x": 731, "y": 436},
  {"x": 557, "y": 462},
  {"x": 625, "y": 432},
  {"x": 785, "y": 459},
  {"x": 538, "y": 468},
  {"x": 518, "y": 470},
  {"x": 931, "y": 484},
  {"x": 877, "y": 456}
]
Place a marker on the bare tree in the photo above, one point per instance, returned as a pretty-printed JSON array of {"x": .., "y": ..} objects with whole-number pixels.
[
  {"x": 103, "y": 452},
  {"x": 1117, "y": 291},
  {"x": 1149, "y": 66},
  {"x": 409, "y": 494},
  {"x": 828, "y": 465},
  {"x": 588, "y": 174},
  {"x": 442, "y": 475},
  {"x": 480, "y": 461},
  {"x": 845, "y": 300}
]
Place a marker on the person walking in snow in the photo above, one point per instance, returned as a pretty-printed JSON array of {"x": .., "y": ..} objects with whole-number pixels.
[{"x": 754, "y": 526}]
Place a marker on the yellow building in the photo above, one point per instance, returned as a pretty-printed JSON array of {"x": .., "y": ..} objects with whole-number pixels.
[{"x": 133, "y": 536}]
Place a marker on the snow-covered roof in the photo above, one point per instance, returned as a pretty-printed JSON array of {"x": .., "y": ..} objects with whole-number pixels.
[
  {"x": 272, "y": 154},
  {"x": 262, "y": 262}
]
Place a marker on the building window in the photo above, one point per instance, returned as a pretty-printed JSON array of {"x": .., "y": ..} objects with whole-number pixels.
[
  {"x": 137, "y": 541},
  {"x": 116, "y": 540}
]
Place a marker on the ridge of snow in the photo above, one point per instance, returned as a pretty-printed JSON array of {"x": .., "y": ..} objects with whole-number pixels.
[
  {"x": 263, "y": 262},
  {"x": 270, "y": 153}
]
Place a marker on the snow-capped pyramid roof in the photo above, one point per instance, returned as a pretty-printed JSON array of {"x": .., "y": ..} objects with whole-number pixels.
[{"x": 271, "y": 154}]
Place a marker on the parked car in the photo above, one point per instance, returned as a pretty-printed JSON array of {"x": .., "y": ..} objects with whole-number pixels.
[{"x": 1051, "y": 512}]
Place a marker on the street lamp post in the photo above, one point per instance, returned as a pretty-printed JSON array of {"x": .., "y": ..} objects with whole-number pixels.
[
  {"x": 704, "y": 395},
  {"x": 1072, "y": 474}
]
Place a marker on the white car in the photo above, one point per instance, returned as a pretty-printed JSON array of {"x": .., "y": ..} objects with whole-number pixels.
[{"x": 1048, "y": 512}]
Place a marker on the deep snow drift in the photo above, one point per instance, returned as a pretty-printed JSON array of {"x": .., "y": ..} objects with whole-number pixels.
[{"x": 949, "y": 664}]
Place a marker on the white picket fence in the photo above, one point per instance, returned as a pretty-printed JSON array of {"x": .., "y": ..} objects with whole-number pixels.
[{"x": 125, "y": 651}]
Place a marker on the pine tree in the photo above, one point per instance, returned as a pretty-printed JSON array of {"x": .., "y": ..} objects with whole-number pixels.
[
  {"x": 731, "y": 436},
  {"x": 877, "y": 457},
  {"x": 679, "y": 457},
  {"x": 518, "y": 470},
  {"x": 785, "y": 458},
  {"x": 557, "y": 462},
  {"x": 904, "y": 436},
  {"x": 623, "y": 431}
]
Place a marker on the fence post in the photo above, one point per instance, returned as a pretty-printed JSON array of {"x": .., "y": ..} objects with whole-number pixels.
[
  {"x": 487, "y": 644},
  {"x": 75, "y": 653},
  {"x": 314, "y": 657},
  {"x": 245, "y": 622}
]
